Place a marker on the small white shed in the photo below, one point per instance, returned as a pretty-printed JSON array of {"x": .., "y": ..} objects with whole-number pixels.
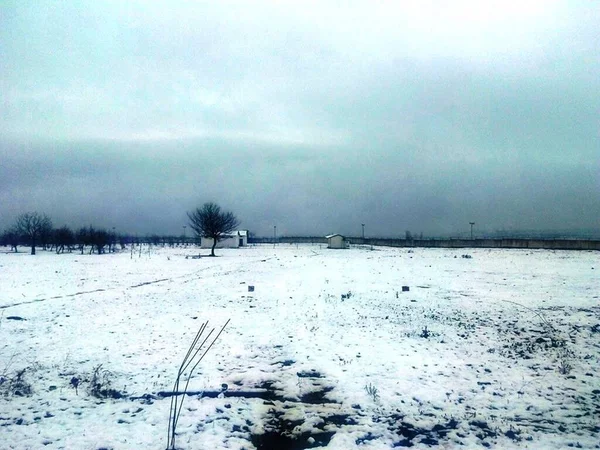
[
  {"x": 336, "y": 241},
  {"x": 233, "y": 240}
]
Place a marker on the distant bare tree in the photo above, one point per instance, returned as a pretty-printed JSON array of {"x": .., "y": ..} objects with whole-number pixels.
[
  {"x": 11, "y": 237},
  {"x": 100, "y": 239},
  {"x": 63, "y": 237},
  {"x": 96, "y": 238},
  {"x": 210, "y": 222},
  {"x": 84, "y": 238},
  {"x": 112, "y": 245},
  {"x": 46, "y": 237},
  {"x": 124, "y": 240},
  {"x": 33, "y": 226}
]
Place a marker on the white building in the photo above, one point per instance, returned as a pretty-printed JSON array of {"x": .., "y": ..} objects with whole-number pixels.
[
  {"x": 233, "y": 240},
  {"x": 336, "y": 241}
]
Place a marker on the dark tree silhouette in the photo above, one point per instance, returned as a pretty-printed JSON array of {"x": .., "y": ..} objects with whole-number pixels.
[
  {"x": 210, "y": 222},
  {"x": 63, "y": 237},
  {"x": 46, "y": 236},
  {"x": 124, "y": 240},
  {"x": 96, "y": 238},
  {"x": 11, "y": 237},
  {"x": 33, "y": 226},
  {"x": 84, "y": 238},
  {"x": 100, "y": 239}
]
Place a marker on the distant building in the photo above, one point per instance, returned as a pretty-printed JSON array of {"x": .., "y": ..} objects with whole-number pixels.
[
  {"x": 233, "y": 240},
  {"x": 336, "y": 241}
]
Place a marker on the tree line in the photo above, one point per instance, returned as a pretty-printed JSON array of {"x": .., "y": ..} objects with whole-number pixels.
[{"x": 34, "y": 229}]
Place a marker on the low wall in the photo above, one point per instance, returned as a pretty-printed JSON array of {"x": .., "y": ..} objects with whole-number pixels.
[
  {"x": 289, "y": 240},
  {"x": 551, "y": 244}
]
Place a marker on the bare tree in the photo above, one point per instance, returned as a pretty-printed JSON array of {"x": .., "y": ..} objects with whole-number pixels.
[
  {"x": 210, "y": 222},
  {"x": 124, "y": 240},
  {"x": 114, "y": 237},
  {"x": 84, "y": 238},
  {"x": 96, "y": 238},
  {"x": 63, "y": 236},
  {"x": 46, "y": 236},
  {"x": 33, "y": 226},
  {"x": 11, "y": 237},
  {"x": 100, "y": 239}
]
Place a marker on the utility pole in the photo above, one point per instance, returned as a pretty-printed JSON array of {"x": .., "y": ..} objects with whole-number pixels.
[
  {"x": 274, "y": 234},
  {"x": 363, "y": 230},
  {"x": 471, "y": 223},
  {"x": 184, "y": 236}
]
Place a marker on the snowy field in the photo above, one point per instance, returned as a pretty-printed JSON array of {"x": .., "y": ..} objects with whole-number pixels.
[{"x": 498, "y": 350}]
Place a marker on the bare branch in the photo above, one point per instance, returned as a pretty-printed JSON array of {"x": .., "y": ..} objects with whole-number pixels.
[{"x": 210, "y": 222}]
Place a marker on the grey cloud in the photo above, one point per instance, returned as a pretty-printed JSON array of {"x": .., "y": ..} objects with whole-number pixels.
[{"x": 312, "y": 118}]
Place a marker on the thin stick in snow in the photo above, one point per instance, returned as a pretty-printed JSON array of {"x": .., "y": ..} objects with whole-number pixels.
[{"x": 191, "y": 359}]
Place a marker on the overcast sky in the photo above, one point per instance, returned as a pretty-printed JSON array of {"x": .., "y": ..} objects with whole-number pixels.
[{"x": 312, "y": 116}]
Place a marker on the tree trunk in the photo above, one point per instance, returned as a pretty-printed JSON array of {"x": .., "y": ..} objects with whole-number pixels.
[
  {"x": 212, "y": 250},
  {"x": 33, "y": 246}
]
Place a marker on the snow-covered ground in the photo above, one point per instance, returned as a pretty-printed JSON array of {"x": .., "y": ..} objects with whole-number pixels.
[{"x": 499, "y": 350}]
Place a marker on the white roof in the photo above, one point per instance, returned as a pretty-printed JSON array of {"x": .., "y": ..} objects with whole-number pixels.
[
  {"x": 333, "y": 235},
  {"x": 232, "y": 234}
]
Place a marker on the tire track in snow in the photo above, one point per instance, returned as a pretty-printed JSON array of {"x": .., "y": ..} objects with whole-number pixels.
[
  {"x": 43, "y": 299},
  {"x": 149, "y": 282},
  {"x": 186, "y": 279}
]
